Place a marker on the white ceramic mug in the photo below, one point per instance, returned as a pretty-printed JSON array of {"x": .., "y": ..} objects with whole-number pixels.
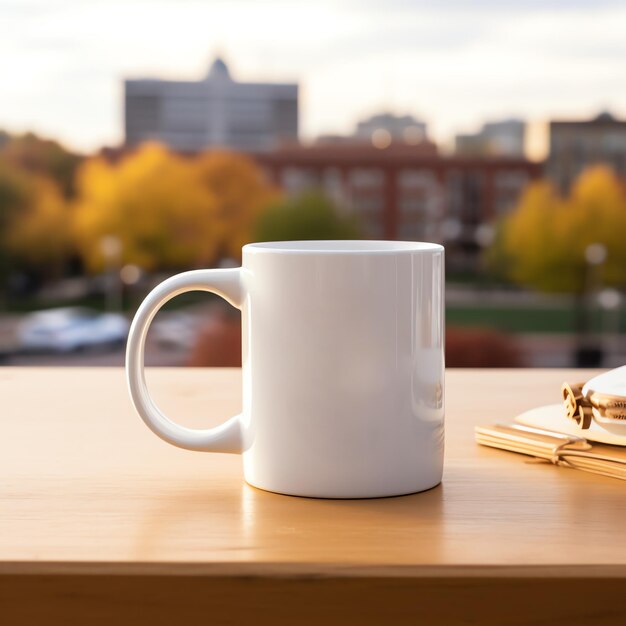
[{"x": 343, "y": 367}]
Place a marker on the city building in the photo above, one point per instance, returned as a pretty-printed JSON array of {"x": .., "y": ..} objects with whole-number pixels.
[
  {"x": 405, "y": 192},
  {"x": 503, "y": 138},
  {"x": 190, "y": 116},
  {"x": 381, "y": 130},
  {"x": 575, "y": 145},
  {"x": 399, "y": 128}
]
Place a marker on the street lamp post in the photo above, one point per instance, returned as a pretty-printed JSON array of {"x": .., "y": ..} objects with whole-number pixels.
[
  {"x": 610, "y": 301},
  {"x": 589, "y": 352},
  {"x": 484, "y": 236}
]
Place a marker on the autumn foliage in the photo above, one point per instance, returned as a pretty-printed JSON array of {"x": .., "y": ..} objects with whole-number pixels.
[
  {"x": 169, "y": 211},
  {"x": 240, "y": 193},
  {"x": 40, "y": 234},
  {"x": 35, "y": 229},
  {"x": 542, "y": 243}
]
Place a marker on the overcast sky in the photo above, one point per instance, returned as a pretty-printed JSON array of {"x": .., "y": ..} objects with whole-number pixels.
[{"x": 453, "y": 63}]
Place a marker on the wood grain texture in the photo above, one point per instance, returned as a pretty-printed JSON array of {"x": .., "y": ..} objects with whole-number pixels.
[{"x": 95, "y": 509}]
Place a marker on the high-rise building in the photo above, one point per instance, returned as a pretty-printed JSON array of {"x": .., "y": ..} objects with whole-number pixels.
[
  {"x": 218, "y": 111},
  {"x": 503, "y": 138},
  {"x": 575, "y": 145}
]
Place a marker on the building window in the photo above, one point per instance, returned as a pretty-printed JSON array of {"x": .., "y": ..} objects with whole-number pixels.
[
  {"x": 295, "y": 180},
  {"x": 420, "y": 203},
  {"x": 508, "y": 186},
  {"x": 454, "y": 194},
  {"x": 417, "y": 179},
  {"x": 143, "y": 114},
  {"x": 334, "y": 188},
  {"x": 367, "y": 178},
  {"x": 366, "y": 198}
]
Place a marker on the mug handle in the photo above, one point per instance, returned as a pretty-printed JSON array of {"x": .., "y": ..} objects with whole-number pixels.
[{"x": 227, "y": 437}]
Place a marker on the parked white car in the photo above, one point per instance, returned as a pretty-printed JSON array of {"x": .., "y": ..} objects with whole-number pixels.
[{"x": 68, "y": 329}]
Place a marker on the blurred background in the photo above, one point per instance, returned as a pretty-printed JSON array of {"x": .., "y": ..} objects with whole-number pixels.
[{"x": 142, "y": 138}]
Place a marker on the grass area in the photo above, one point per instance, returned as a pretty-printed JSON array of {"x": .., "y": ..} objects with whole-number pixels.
[
  {"x": 523, "y": 320},
  {"x": 512, "y": 319}
]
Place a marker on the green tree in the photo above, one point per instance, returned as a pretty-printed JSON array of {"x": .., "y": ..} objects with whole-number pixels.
[
  {"x": 35, "y": 229},
  {"x": 542, "y": 243},
  {"x": 16, "y": 196},
  {"x": 308, "y": 216},
  {"x": 40, "y": 236}
]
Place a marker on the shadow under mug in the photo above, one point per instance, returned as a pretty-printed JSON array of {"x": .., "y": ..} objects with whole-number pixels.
[{"x": 343, "y": 366}]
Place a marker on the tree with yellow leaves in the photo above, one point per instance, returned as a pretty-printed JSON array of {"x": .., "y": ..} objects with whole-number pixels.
[
  {"x": 241, "y": 194},
  {"x": 168, "y": 211},
  {"x": 153, "y": 202},
  {"x": 542, "y": 243}
]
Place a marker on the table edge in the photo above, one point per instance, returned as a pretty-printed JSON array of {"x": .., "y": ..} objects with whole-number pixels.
[{"x": 308, "y": 570}]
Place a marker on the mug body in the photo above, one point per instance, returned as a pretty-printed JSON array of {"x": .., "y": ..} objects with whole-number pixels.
[{"x": 343, "y": 367}]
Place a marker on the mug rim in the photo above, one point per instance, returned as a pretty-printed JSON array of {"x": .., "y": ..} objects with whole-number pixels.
[{"x": 342, "y": 246}]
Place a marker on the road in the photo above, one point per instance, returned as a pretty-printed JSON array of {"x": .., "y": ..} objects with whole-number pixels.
[
  {"x": 156, "y": 355},
  {"x": 538, "y": 350}
]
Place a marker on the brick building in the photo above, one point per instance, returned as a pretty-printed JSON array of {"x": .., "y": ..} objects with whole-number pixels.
[{"x": 406, "y": 192}]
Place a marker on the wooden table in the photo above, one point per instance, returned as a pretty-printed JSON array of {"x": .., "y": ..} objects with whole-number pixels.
[{"x": 103, "y": 523}]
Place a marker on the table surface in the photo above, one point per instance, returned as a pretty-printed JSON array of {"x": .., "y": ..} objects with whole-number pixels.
[{"x": 84, "y": 484}]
